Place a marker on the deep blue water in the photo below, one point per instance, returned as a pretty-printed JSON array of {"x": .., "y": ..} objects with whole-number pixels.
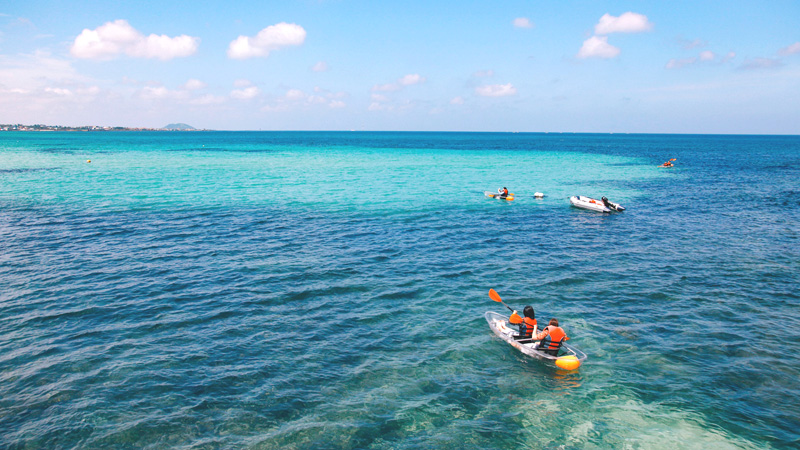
[{"x": 327, "y": 290}]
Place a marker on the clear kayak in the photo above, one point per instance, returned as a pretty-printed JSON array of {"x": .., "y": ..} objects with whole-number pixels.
[
  {"x": 496, "y": 195},
  {"x": 568, "y": 357},
  {"x": 591, "y": 204}
]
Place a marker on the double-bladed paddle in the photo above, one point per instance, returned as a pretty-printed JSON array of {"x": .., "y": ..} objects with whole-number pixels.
[{"x": 515, "y": 318}]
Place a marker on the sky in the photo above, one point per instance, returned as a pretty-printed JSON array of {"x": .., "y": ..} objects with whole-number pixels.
[{"x": 640, "y": 66}]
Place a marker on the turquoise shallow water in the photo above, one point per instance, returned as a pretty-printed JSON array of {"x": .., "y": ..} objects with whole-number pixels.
[{"x": 327, "y": 290}]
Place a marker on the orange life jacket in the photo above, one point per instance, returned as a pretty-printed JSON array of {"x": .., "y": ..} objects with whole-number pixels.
[
  {"x": 505, "y": 191},
  {"x": 527, "y": 326},
  {"x": 556, "y": 335}
]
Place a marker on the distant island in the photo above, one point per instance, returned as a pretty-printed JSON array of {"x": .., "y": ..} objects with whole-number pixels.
[
  {"x": 180, "y": 127},
  {"x": 39, "y": 127}
]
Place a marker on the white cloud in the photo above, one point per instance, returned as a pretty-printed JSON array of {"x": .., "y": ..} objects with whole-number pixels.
[
  {"x": 321, "y": 66},
  {"x": 208, "y": 99},
  {"x": 679, "y": 63},
  {"x": 37, "y": 88},
  {"x": 36, "y": 71},
  {"x": 628, "y": 22},
  {"x": 386, "y": 87},
  {"x": 161, "y": 93},
  {"x": 688, "y": 45},
  {"x": 522, "y": 22},
  {"x": 790, "y": 50},
  {"x": 58, "y": 91},
  {"x": 193, "y": 85},
  {"x": 597, "y": 47},
  {"x": 496, "y": 90},
  {"x": 273, "y": 37},
  {"x": 457, "y": 101},
  {"x": 706, "y": 56},
  {"x": 761, "y": 63},
  {"x": 115, "y": 38},
  {"x": 151, "y": 92},
  {"x": 402, "y": 82},
  {"x": 295, "y": 94},
  {"x": 245, "y": 93},
  {"x": 294, "y": 98},
  {"x": 410, "y": 79}
]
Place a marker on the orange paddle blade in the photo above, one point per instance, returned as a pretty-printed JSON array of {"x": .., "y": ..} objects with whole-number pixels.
[
  {"x": 515, "y": 319},
  {"x": 494, "y": 296}
]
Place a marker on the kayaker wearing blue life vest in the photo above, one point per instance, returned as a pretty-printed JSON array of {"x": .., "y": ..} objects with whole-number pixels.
[{"x": 552, "y": 337}]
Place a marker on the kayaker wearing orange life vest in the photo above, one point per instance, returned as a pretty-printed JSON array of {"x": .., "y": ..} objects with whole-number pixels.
[
  {"x": 552, "y": 336},
  {"x": 503, "y": 192},
  {"x": 528, "y": 325}
]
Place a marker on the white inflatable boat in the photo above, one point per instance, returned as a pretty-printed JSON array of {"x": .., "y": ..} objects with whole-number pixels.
[{"x": 591, "y": 204}]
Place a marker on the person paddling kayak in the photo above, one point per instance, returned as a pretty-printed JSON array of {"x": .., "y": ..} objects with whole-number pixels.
[
  {"x": 503, "y": 192},
  {"x": 528, "y": 326},
  {"x": 551, "y": 338}
]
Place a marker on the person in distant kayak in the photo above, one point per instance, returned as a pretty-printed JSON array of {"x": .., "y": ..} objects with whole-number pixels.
[
  {"x": 503, "y": 192},
  {"x": 528, "y": 325},
  {"x": 551, "y": 338},
  {"x": 607, "y": 203}
]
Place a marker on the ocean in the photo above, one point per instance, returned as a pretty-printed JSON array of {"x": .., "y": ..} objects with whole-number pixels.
[{"x": 327, "y": 290}]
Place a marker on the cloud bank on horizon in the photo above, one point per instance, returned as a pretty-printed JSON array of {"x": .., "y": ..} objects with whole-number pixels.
[{"x": 612, "y": 73}]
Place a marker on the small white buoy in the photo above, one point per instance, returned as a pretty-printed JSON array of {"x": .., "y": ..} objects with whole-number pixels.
[{"x": 538, "y": 195}]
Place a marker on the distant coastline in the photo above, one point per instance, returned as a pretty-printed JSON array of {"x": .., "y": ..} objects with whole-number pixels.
[{"x": 40, "y": 127}]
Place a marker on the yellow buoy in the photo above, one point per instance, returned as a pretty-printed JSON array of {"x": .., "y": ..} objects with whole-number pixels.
[
  {"x": 569, "y": 362},
  {"x": 88, "y": 160}
]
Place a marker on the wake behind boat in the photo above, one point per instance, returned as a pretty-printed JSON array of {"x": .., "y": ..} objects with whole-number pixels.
[
  {"x": 568, "y": 357},
  {"x": 591, "y": 204}
]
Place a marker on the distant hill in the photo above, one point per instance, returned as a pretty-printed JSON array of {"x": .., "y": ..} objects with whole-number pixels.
[{"x": 179, "y": 126}]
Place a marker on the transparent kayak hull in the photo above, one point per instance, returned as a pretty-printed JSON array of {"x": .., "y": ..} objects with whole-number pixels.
[{"x": 499, "y": 324}]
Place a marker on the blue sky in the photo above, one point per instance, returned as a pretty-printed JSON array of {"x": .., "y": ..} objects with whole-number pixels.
[{"x": 555, "y": 66}]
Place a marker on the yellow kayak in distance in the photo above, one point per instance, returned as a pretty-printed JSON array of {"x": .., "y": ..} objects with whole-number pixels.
[{"x": 497, "y": 196}]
